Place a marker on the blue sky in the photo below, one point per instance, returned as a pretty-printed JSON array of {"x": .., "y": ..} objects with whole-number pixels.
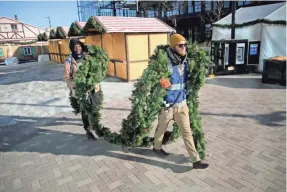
[{"x": 61, "y": 13}]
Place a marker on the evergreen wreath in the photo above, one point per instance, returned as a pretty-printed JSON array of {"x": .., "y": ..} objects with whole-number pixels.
[{"x": 147, "y": 97}]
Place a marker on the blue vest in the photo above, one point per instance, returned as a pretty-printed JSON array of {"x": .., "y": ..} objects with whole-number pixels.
[{"x": 177, "y": 92}]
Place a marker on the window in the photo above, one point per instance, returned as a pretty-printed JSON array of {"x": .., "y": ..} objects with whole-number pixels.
[
  {"x": 175, "y": 12},
  {"x": 207, "y": 5},
  {"x": 197, "y": 6},
  {"x": 132, "y": 13},
  {"x": 196, "y": 33},
  {"x": 208, "y": 31},
  {"x": 190, "y": 7},
  {"x": 13, "y": 27},
  {"x": 215, "y": 3},
  {"x": 27, "y": 50},
  {"x": 1, "y": 52},
  {"x": 182, "y": 7},
  {"x": 119, "y": 12},
  {"x": 176, "y": 7},
  {"x": 106, "y": 12},
  {"x": 169, "y": 13},
  {"x": 151, "y": 13},
  {"x": 226, "y": 4},
  {"x": 247, "y": 2},
  {"x": 240, "y": 3}
]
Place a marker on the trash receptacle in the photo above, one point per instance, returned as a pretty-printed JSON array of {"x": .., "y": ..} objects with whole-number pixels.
[{"x": 274, "y": 70}]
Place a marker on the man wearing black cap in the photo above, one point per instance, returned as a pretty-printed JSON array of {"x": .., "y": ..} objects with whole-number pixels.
[{"x": 72, "y": 64}]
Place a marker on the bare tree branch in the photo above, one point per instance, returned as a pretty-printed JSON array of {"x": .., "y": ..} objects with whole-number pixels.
[{"x": 216, "y": 13}]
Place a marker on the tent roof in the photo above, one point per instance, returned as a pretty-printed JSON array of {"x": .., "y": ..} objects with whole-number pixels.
[
  {"x": 132, "y": 24},
  {"x": 247, "y": 14},
  {"x": 279, "y": 14}
]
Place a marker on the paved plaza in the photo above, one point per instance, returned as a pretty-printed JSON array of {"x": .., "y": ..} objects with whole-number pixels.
[{"x": 43, "y": 146}]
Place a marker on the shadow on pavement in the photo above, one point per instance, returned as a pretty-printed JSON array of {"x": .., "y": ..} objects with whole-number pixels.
[{"x": 32, "y": 134}]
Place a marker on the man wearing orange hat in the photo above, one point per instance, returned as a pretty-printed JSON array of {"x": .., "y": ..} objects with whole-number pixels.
[{"x": 175, "y": 101}]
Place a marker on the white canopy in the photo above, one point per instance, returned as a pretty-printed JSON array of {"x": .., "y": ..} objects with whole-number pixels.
[{"x": 272, "y": 37}]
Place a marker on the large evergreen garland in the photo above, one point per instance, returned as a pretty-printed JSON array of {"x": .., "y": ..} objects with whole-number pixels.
[
  {"x": 266, "y": 21},
  {"x": 146, "y": 98}
]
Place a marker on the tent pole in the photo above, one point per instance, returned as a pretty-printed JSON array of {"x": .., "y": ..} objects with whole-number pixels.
[{"x": 233, "y": 19}]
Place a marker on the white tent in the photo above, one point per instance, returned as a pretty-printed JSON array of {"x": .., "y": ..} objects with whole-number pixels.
[{"x": 272, "y": 36}]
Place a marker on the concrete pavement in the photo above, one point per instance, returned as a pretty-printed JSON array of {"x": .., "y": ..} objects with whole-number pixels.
[{"x": 43, "y": 146}]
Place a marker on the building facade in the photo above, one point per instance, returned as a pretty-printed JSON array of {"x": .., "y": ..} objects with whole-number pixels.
[
  {"x": 18, "y": 39},
  {"x": 14, "y": 30},
  {"x": 193, "y": 19},
  {"x": 106, "y": 8}
]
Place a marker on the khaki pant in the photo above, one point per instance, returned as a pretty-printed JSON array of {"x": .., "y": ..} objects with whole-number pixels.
[{"x": 181, "y": 117}]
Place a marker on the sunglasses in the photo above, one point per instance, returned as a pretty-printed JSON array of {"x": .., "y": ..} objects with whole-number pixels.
[{"x": 182, "y": 45}]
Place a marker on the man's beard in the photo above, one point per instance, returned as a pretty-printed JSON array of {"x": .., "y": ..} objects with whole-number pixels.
[{"x": 77, "y": 56}]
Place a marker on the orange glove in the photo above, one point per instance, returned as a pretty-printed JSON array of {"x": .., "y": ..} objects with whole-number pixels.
[{"x": 165, "y": 83}]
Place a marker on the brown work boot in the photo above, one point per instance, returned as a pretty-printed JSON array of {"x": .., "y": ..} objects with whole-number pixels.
[
  {"x": 200, "y": 165},
  {"x": 160, "y": 152}
]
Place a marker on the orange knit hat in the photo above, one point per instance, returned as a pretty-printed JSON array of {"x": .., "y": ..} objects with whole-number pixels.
[{"x": 176, "y": 39}]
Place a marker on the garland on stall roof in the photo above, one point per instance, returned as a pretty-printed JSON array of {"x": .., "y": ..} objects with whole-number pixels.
[
  {"x": 92, "y": 24},
  {"x": 60, "y": 34},
  {"x": 146, "y": 99},
  {"x": 18, "y": 43},
  {"x": 52, "y": 34},
  {"x": 43, "y": 37},
  {"x": 75, "y": 30},
  {"x": 265, "y": 21}
]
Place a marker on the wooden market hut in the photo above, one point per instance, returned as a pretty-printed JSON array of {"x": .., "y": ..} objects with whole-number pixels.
[
  {"x": 59, "y": 45},
  {"x": 129, "y": 42}
]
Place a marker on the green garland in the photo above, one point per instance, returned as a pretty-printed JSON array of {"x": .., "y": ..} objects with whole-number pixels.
[
  {"x": 265, "y": 21},
  {"x": 42, "y": 37},
  {"x": 92, "y": 24},
  {"x": 60, "y": 34},
  {"x": 75, "y": 30},
  {"x": 146, "y": 98},
  {"x": 18, "y": 43},
  {"x": 52, "y": 34}
]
